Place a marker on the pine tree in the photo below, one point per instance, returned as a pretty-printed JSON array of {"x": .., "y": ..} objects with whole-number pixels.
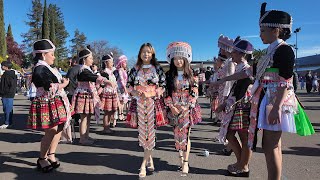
[
  {"x": 9, "y": 31},
  {"x": 35, "y": 22},
  {"x": 60, "y": 31},
  {"x": 53, "y": 38},
  {"x": 45, "y": 22},
  {"x": 3, "y": 44},
  {"x": 52, "y": 31},
  {"x": 78, "y": 42}
]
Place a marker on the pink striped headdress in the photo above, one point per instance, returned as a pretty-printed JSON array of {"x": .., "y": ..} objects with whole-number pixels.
[
  {"x": 225, "y": 43},
  {"x": 122, "y": 59}
]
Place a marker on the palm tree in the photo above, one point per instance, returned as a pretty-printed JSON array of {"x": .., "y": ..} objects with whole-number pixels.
[{"x": 258, "y": 53}]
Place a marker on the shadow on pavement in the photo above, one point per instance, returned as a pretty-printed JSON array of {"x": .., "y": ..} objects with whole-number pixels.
[
  {"x": 21, "y": 138},
  {"x": 194, "y": 170},
  {"x": 311, "y": 100},
  {"x": 312, "y": 107},
  {"x": 303, "y": 151},
  {"x": 27, "y": 173},
  {"x": 122, "y": 162},
  {"x": 204, "y": 105}
]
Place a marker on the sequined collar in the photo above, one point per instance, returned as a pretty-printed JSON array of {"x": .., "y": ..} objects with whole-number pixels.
[{"x": 146, "y": 66}]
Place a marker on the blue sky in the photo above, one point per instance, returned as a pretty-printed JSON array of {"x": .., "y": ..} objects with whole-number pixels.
[{"x": 129, "y": 23}]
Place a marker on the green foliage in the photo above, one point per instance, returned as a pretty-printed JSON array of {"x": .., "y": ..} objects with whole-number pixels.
[
  {"x": 9, "y": 31},
  {"x": 258, "y": 53},
  {"x": 60, "y": 33},
  {"x": 64, "y": 64},
  {"x": 3, "y": 43},
  {"x": 47, "y": 18},
  {"x": 14, "y": 65},
  {"x": 52, "y": 31},
  {"x": 78, "y": 42},
  {"x": 35, "y": 24},
  {"x": 45, "y": 22}
]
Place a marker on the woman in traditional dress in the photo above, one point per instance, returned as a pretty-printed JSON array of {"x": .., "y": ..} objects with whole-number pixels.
[
  {"x": 212, "y": 92},
  {"x": 109, "y": 95},
  {"x": 85, "y": 100},
  {"x": 122, "y": 78},
  {"x": 181, "y": 99},
  {"x": 219, "y": 65},
  {"x": 146, "y": 84},
  {"x": 237, "y": 106},
  {"x": 50, "y": 109},
  {"x": 225, "y": 44},
  {"x": 274, "y": 106}
]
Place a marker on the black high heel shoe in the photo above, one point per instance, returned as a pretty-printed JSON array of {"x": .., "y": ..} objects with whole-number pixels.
[
  {"x": 45, "y": 169},
  {"x": 241, "y": 173},
  {"x": 55, "y": 164}
]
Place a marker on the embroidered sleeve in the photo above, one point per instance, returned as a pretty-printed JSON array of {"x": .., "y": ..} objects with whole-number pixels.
[
  {"x": 194, "y": 92},
  {"x": 53, "y": 90},
  {"x": 230, "y": 69},
  {"x": 101, "y": 81}
]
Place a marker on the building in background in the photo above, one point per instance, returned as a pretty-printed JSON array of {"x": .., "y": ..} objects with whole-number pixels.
[{"x": 308, "y": 63}]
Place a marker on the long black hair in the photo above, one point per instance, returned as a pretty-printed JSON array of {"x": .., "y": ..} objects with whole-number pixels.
[
  {"x": 153, "y": 61},
  {"x": 173, "y": 73},
  {"x": 37, "y": 57}
]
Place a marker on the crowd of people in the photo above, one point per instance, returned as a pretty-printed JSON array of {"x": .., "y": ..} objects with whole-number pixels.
[
  {"x": 311, "y": 81},
  {"x": 245, "y": 97}
]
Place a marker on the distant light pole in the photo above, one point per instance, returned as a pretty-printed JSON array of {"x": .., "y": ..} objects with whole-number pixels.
[{"x": 296, "y": 46}]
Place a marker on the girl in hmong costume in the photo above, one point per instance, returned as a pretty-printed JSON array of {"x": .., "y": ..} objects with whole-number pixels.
[
  {"x": 109, "y": 95},
  {"x": 237, "y": 107},
  {"x": 213, "y": 92},
  {"x": 85, "y": 100},
  {"x": 279, "y": 105},
  {"x": 227, "y": 68},
  {"x": 225, "y": 44},
  {"x": 181, "y": 98},
  {"x": 50, "y": 109},
  {"x": 122, "y": 78},
  {"x": 146, "y": 84},
  {"x": 274, "y": 106}
]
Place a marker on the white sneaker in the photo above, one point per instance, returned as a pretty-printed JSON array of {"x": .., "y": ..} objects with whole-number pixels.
[{"x": 4, "y": 126}]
